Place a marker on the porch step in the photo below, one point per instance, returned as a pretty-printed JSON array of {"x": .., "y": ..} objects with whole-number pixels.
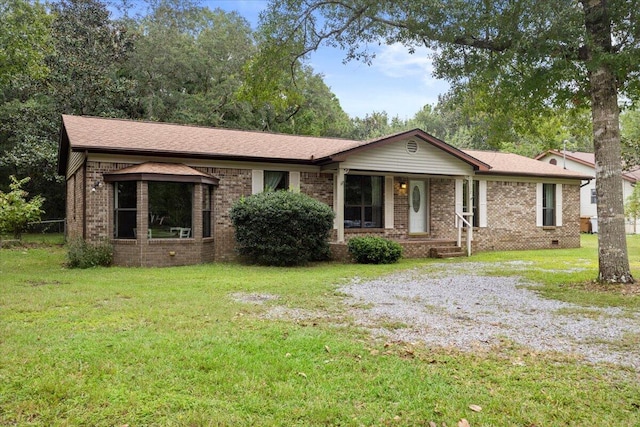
[{"x": 447, "y": 252}]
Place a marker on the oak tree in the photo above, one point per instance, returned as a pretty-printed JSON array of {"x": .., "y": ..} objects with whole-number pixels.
[{"x": 525, "y": 54}]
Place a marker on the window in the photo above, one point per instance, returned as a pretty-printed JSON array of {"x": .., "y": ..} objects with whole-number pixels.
[
  {"x": 553, "y": 161},
  {"x": 276, "y": 180},
  {"x": 594, "y": 197},
  {"x": 548, "y": 204},
  {"x": 474, "y": 201},
  {"x": 125, "y": 213},
  {"x": 206, "y": 211},
  {"x": 363, "y": 201},
  {"x": 170, "y": 209}
]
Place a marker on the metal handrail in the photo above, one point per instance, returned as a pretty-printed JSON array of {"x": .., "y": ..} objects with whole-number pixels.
[{"x": 461, "y": 221}]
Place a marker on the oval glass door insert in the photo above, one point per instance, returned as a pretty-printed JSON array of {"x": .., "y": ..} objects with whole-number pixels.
[{"x": 416, "y": 198}]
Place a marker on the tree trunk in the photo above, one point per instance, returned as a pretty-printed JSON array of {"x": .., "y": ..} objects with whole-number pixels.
[{"x": 612, "y": 244}]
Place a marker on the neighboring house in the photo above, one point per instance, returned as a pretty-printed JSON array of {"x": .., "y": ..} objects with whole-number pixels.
[
  {"x": 161, "y": 193},
  {"x": 585, "y": 163}
]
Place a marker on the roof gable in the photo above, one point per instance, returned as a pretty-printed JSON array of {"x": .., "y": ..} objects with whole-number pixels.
[
  {"x": 587, "y": 159},
  {"x": 408, "y": 135}
]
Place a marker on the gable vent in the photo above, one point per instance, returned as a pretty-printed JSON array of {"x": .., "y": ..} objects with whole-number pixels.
[{"x": 412, "y": 146}]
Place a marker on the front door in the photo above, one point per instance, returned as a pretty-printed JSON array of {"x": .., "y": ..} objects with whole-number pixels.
[{"x": 418, "y": 207}]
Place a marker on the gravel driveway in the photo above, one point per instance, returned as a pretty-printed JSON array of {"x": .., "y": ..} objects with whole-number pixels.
[{"x": 457, "y": 306}]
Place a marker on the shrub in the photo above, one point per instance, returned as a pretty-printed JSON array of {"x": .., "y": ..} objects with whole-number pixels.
[
  {"x": 282, "y": 228},
  {"x": 15, "y": 210},
  {"x": 374, "y": 250},
  {"x": 81, "y": 254}
]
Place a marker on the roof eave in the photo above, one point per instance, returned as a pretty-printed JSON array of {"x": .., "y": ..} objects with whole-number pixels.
[
  {"x": 63, "y": 150},
  {"x": 536, "y": 175},
  {"x": 174, "y": 154}
]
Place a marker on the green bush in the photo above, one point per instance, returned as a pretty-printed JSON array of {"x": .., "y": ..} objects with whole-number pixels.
[
  {"x": 282, "y": 228},
  {"x": 374, "y": 250},
  {"x": 81, "y": 254}
]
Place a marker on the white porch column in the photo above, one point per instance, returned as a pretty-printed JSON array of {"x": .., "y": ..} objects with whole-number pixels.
[
  {"x": 470, "y": 208},
  {"x": 338, "y": 194}
]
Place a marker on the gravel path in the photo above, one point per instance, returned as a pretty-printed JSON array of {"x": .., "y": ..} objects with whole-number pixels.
[{"x": 462, "y": 308}]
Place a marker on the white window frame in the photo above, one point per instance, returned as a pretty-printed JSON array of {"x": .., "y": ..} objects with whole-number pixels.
[
  {"x": 558, "y": 206},
  {"x": 482, "y": 203},
  {"x": 257, "y": 180}
]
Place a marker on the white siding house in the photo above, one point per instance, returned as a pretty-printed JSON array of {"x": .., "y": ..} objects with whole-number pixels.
[{"x": 585, "y": 163}]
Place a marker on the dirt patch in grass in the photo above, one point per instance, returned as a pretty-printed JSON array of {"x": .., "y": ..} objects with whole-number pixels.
[
  {"x": 36, "y": 283},
  {"x": 608, "y": 288}
]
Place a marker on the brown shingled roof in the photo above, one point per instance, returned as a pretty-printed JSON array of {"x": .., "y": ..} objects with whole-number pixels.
[
  {"x": 514, "y": 164},
  {"x": 115, "y": 135},
  {"x": 103, "y": 135},
  {"x": 153, "y": 171}
]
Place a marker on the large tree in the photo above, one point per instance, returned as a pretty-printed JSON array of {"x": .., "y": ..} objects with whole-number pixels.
[
  {"x": 525, "y": 54},
  {"x": 24, "y": 39}
]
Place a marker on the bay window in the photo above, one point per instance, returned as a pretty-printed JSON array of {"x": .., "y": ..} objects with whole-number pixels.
[
  {"x": 170, "y": 209},
  {"x": 125, "y": 212}
]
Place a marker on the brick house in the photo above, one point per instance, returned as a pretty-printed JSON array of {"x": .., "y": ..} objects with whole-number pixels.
[{"x": 161, "y": 193}]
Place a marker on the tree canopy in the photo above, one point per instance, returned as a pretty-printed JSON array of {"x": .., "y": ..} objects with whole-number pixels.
[{"x": 517, "y": 57}]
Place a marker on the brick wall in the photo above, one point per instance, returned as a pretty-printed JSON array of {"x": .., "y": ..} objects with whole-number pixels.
[
  {"x": 511, "y": 219},
  {"x": 510, "y": 216},
  {"x": 317, "y": 185},
  {"x": 442, "y": 203}
]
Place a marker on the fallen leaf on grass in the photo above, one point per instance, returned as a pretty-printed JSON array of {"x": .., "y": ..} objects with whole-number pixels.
[
  {"x": 327, "y": 349},
  {"x": 302, "y": 374},
  {"x": 475, "y": 408},
  {"x": 463, "y": 423}
]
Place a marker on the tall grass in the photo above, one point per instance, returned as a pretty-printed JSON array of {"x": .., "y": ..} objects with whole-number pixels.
[{"x": 194, "y": 346}]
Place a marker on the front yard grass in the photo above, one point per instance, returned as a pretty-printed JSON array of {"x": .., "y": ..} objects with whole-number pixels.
[{"x": 179, "y": 347}]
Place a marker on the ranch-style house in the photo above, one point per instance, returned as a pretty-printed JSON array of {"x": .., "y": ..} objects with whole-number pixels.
[{"x": 161, "y": 193}]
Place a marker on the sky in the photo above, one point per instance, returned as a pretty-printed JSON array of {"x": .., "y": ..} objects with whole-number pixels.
[{"x": 396, "y": 82}]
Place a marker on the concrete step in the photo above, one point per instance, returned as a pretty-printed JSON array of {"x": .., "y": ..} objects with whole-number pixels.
[{"x": 450, "y": 251}]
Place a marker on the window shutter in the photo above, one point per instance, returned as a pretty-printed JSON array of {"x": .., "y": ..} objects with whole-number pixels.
[
  {"x": 539, "y": 204},
  {"x": 458, "y": 196},
  {"x": 388, "y": 202},
  {"x": 558, "y": 205},
  {"x": 482, "y": 203},
  {"x": 257, "y": 181},
  {"x": 294, "y": 181}
]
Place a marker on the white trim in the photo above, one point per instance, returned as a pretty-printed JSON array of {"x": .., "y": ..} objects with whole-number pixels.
[
  {"x": 558, "y": 206},
  {"x": 539, "y": 190},
  {"x": 205, "y": 163},
  {"x": 294, "y": 181},
  {"x": 482, "y": 203},
  {"x": 339, "y": 195},
  {"x": 257, "y": 181},
  {"x": 458, "y": 196},
  {"x": 389, "y": 219}
]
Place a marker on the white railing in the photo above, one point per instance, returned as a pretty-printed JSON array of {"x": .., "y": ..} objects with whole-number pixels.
[{"x": 461, "y": 222}]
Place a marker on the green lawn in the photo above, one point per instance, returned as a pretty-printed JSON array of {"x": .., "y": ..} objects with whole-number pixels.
[{"x": 174, "y": 346}]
